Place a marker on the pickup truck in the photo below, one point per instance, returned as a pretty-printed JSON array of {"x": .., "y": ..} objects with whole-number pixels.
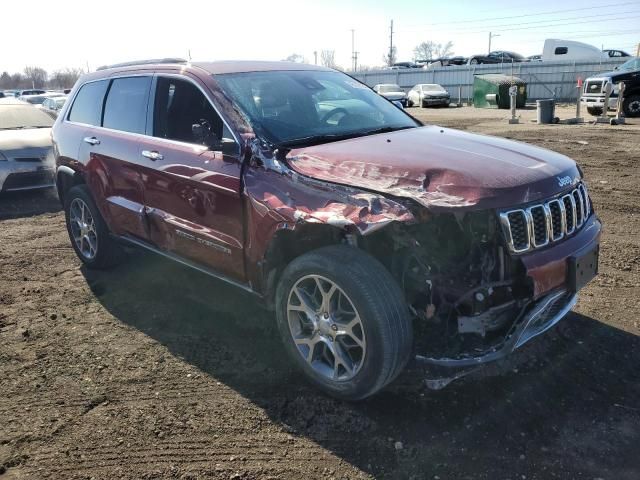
[{"x": 593, "y": 93}]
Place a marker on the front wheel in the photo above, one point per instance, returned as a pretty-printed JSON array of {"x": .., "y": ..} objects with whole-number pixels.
[
  {"x": 343, "y": 321},
  {"x": 631, "y": 106}
]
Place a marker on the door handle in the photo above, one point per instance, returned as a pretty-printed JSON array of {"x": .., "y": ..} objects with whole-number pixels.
[
  {"x": 152, "y": 155},
  {"x": 92, "y": 140}
]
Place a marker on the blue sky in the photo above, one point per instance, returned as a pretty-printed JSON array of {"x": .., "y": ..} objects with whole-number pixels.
[{"x": 99, "y": 31}]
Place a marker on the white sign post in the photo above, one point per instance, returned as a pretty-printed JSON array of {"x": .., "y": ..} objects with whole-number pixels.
[{"x": 513, "y": 93}]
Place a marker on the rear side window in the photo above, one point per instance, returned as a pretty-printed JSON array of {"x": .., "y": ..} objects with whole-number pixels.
[
  {"x": 561, "y": 50},
  {"x": 87, "y": 107},
  {"x": 126, "y": 105}
]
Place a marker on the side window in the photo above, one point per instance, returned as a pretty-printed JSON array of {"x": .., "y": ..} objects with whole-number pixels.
[
  {"x": 178, "y": 106},
  {"x": 126, "y": 105},
  {"x": 87, "y": 106},
  {"x": 561, "y": 50}
]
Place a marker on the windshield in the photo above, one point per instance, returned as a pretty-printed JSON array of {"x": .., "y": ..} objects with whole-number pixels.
[
  {"x": 633, "y": 64},
  {"x": 306, "y": 107},
  {"x": 23, "y": 116},
  {"x": 389, "y": 88},
  {"x": 432, "y": 88}
]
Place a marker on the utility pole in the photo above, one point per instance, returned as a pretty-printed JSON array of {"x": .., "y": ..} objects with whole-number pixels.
[
  {"x": 492, "y": 35},
  {"x": 353, "y": 51},
  {"x": 355, "y": 61},
  {"x": 391, "y": 44},
  {"x": 315, "y": 56}
]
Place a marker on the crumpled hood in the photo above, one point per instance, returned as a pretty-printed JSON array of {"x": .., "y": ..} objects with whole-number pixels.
[
  {"x": 31, "y": 142},
  {"x": 441, "y": 168}
]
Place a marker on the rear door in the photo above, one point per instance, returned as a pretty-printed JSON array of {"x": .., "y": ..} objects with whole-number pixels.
[
  {"x": 192, "y": 190},
  {"x": 110, "y": 150}
]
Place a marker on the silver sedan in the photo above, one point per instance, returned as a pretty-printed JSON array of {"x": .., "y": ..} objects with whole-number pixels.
[{"x": 25, "y": 146}]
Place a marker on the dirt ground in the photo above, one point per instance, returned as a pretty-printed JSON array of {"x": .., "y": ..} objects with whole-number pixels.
[{"x": 154, "y": 371}]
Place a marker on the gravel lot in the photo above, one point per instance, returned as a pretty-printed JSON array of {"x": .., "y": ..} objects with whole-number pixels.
[{"x": 155, "y": 371}]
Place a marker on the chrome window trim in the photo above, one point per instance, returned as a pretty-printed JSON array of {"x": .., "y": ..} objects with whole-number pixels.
[{"x": 151, "y": 74}]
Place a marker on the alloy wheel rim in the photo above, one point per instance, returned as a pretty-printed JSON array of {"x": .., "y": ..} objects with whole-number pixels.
[
  {"x": 83, "y": 228},
  {"x": 634, "y": 106},
  {"x": 326, "y": 328}
]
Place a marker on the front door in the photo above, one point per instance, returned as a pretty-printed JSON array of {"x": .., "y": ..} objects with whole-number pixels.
[{"x": 192, "y": 191}]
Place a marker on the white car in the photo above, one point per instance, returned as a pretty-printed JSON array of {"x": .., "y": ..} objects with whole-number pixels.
[
  {"x": 428, "y": 95},
  {"x": 392, "y": 92}
]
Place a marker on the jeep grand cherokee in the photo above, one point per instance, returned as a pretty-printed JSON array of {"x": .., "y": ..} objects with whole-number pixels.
[{"x": 373, "y": 238}]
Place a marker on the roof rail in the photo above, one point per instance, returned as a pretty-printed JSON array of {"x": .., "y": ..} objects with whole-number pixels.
[{"x": 152, "y": 61}]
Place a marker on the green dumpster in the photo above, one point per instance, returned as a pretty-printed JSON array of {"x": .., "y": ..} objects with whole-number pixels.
[{"x": 491, "y": 90}]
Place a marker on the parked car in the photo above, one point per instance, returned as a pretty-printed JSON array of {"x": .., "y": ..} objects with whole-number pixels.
[
  {"x": 499, "y": 56},
  {"x": 428, "y": 95},
  {"x": 33, "y": 91},
  {"x": 570, "y": 50},
  {"x": 392, "y": 92},
  {"x": 534, "y": 58},
  {"x": 593, "y": 90},
  {"x": 616, "y": 53},
  {"x": 442, "y": 62},
  {"x": 25, "y": 144},
  {"x": 40, "y": 98},
  {"x": 373, "y": 238},
  {"x": 52, "y": 105}
]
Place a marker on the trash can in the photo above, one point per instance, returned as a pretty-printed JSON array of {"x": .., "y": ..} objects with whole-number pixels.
[{"x": 546, "y": 110}]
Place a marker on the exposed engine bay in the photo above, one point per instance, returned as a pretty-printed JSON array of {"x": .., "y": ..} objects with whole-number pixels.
[{"x": 464, "y": 291}]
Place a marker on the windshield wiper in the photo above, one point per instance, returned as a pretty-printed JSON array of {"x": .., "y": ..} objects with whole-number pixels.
[
  {"x": 317, "y": 139},
  {"x": 334, "y": 137}
]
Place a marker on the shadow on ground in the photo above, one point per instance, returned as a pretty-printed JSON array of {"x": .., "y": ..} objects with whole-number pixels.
[
  {"x": 28, "y": 203},
  {"x": 566, "y": 406}
]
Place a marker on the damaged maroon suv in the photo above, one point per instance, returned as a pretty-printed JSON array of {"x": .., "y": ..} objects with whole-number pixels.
[{"x": 373, "y": 238}]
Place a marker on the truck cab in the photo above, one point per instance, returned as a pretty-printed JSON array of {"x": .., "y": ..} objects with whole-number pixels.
[{"x": 593, "y": 91}]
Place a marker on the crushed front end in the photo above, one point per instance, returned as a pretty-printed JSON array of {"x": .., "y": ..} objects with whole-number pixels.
[{"x": 480, "y": 284}]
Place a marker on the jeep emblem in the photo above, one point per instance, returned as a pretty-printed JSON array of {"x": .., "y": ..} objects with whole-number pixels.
[{"x": 564, "y": 181}]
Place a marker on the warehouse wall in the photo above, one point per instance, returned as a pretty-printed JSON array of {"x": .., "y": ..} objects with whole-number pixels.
[{"x": 544, "y": 79}]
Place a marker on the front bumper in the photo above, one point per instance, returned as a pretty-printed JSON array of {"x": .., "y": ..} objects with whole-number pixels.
[
  {"x": 549, "y": 272},
  {"x": 598, "y": 101},
  {"x": 15, "y": 176},
  {"x": 436, "y": 101}
]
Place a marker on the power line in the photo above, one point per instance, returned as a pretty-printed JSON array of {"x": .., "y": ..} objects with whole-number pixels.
[
  {"x": 530, "y": 14},
  {"x": 562, "y": 23}
]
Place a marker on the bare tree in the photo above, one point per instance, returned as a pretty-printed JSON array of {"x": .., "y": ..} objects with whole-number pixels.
[
  {"x": 327, "y": 58},
  {"x": 18, "y": 81},
  {"x": 296, "y": 57},
  {"x": 429, "y": 50},
  {"x": 36, "y": 76},
  {"x": 5, "y": 80},
  {"x": 65, "y": 78},
  {"x": 390, "y": 58}
]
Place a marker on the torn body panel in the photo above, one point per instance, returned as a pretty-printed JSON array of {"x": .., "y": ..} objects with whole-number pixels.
[{"x": 439, "y": 168}]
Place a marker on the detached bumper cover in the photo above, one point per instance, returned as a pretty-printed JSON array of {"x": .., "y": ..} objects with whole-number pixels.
[{"x": 539, "y": 318}]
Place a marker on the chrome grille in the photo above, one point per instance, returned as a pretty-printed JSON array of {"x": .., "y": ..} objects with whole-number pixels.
[{"x": 540, "y": 224}]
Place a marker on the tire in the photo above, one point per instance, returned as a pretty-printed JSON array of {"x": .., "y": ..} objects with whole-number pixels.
[
  {"x": 594, "y": 111},
  {"x": 365, "y": 289},
  {"x": 105, "y": 252},
  {"x": 631, "y": 106},
  {"x": 474, "y": 61}
]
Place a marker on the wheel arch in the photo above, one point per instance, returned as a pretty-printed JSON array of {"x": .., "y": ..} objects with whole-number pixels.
[{"x": 67, "y": 177}]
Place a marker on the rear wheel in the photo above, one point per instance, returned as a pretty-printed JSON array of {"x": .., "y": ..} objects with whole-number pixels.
[
  {"x": 343, "y": 321},
  {"x": 87, "y": 230},
  {"x": 631, "y": 106},
  {"x": 595, "y": 111}
]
